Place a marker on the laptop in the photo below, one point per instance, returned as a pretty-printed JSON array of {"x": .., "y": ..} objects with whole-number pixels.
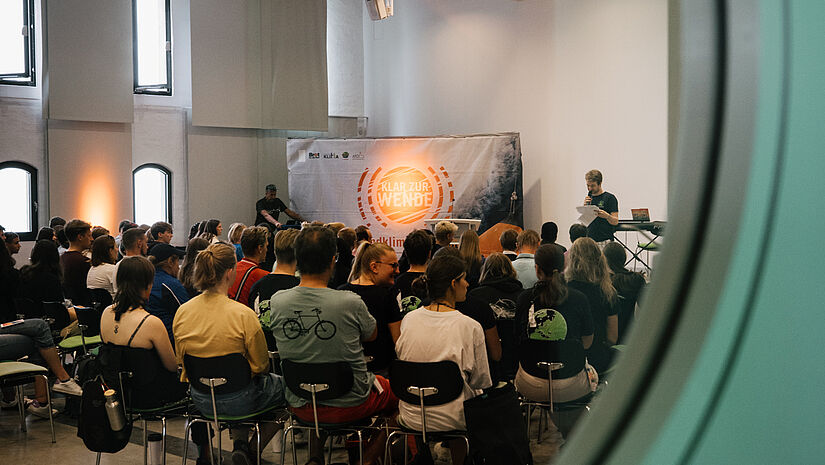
[{"x": 640, "y": 214}]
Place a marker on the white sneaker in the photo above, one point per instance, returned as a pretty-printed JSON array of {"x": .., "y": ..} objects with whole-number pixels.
[
  {"x": 8, "y": 405},
  {"x": 40, "y": 411},
  {"x": 69, "y": 387}
]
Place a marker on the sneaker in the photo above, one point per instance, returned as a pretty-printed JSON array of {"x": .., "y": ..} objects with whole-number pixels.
[
  {"x": 39, "y": 410},
  {"x": 8, "y": 405},
  {"x": 69, "y": 387},
  {"x": 240, "y": 453}
]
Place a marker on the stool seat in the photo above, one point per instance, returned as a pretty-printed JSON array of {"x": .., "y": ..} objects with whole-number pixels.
[
  {"x": 648, "y": 245},
  {"x": 75, "y": 342},
  {"x": 231, "y": 418},
  {"x": 20, "y": 368},
  {"x": 362, "y": 423},
  {"x": 169, "y": 408}
]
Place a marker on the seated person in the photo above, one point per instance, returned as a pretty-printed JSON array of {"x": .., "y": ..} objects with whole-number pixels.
[
  {"x": 343, "y": 264},
  {"x": 533, "y": 322},
  {"x": 168, "y": 294},
  {"x": 527, "y": 243},
  {"x": 40, "y": 280},
  {"x": 104, "y": 256},
  {"x": 372, "y": 278},
  {"x": 254, "y": 242},
  {"x": 187, "y": 270},
  {"x": 212, "y": 325},
  {"x": 508, "y": 243},
  {"x": 629, "y": 286},
  {"x": 29, "y": 338},
  {"x": 459, "y": 339},
  {"x": 417, "y": 248},
  {"x": 370, "y": 394},
  {"x": 550, "y": 233},
  {"x": 75, "y": 263}
]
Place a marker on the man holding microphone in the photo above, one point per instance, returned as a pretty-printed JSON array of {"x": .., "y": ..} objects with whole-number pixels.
[{"x": 601, "y": 229}]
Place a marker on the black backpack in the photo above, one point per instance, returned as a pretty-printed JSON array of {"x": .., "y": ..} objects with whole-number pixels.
[
  {"x": 496, "y": 429},
  {"x": 93, "y": 424}
]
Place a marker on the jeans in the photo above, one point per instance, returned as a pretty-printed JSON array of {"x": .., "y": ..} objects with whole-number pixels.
[
  {"x": 265, "y": 390},
  {"x": 24, "y": 339}
]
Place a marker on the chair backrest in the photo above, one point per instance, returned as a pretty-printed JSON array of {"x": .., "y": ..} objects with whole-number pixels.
[
  {"x": 58, "y": 312},
  {"x": 445, "y": 376},
  {"x": 234, "y": 368},
  {"x": 336, "y": 375},
  {"x": 568, "y": 351},
  {"x": 90, "y": 318},
  {"x": 100, "y": 298},
  {"x": 28, "y": 307}
]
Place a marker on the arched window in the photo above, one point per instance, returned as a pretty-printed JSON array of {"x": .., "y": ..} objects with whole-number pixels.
[
  {"x": 152, "y": 193},
  {"x": 18, "y": 198}
]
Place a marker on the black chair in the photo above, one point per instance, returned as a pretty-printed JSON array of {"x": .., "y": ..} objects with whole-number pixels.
[
  {"x": 100, "y": 298},
  {"x": 319, "y": 382},
  {"x": 223, "y": 375},
  {"x": 426, "y": 384},
  {"x": 28, "y": 307}
]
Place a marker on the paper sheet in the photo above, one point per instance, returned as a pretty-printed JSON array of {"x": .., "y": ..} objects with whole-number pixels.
[{"x": 587, "y": 213}]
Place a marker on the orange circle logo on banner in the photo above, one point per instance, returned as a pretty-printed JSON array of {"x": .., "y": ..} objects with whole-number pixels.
[{"x": 404, "y": 195}]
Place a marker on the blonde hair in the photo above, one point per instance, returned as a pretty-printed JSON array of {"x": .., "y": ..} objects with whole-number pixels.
[
  {"x": 212, "y": 264},
  {"x": 235, "y": 232},
  {"x": 253, "y": 237},
  {"x": 443, "y": 229},
  {"x": 528, "y": 238},
  {"x": 285, "y": 245},
  {"x": 469, "y": 249},
  {"x": 367, "y": 253},
  {"x": 593, "y": 176},
  {"x": 497, "y": 266},
  {"x": 335, "y": 226},
  {"x": 586, "y": 262}
]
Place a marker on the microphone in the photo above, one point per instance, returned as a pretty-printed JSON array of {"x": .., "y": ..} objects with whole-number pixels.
[{"x": 589, "y": 194}]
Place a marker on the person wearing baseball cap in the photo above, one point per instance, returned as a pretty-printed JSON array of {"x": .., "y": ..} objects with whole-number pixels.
[
  {"x": 269, "y": 208},
  {"x": 167, "y": 292}
]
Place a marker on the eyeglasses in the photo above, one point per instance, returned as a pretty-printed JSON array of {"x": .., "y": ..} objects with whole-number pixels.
[{"x": 394, "y": 265}]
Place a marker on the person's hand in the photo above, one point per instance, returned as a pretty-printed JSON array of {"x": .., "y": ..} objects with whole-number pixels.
[
  {"x": 278, "y": 224},
  {"x": 602, "y": 214},
  {"x": 587, "y": 200}
]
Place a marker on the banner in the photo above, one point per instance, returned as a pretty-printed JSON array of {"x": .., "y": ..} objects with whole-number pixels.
[{"x": 392, "y": 185}]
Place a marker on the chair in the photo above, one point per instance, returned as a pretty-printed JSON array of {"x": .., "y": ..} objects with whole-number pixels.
[
  {"x": 319, "y": 382},
  {"x": 222, "y": 375},
  {"x": 100, "y": 298},
  {"x": 426, "y": 384},
  {"x": 16, "y": 374},
  {"x": 89, "y": 324}
]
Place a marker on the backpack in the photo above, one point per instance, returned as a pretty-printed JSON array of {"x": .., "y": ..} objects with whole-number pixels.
[
  {"x": 93, "y": 423},
  {"x": 496, "y": 429}
]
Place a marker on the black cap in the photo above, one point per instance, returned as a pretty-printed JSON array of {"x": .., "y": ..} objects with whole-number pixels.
[
  {"x": 163, "y": 251},
  {"x": 271, "y": 187}
]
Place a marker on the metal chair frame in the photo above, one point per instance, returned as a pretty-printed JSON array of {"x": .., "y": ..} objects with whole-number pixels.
[{"x": 20, "y": 379}]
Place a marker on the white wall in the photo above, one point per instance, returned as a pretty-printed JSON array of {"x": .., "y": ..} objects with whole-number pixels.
[
  {"x": 584, "y": 82},
  {"x": 345, "y": 57}
]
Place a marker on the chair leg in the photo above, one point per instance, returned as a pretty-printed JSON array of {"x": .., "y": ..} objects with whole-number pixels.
[
  {"x": 541, "y": 416},
  {"x": 186, "y": 439},
  {"x": 145, "y": 443},
  {"x": 331, "y": 439},
  {"x": 18, "y": 392},
  {"x": 49, "y": 401},
  {"x": 360, "y": 446},
  {"x": 163, "y": 438},
  {"x": 97, "y": 460},
  {"x": 258, "y": 435}
]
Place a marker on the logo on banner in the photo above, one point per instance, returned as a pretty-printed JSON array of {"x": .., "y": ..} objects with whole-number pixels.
[{"x": 404, "y": 195}]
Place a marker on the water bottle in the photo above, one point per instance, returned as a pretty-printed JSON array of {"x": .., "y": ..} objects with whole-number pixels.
[{"x": 117, "y": 418}]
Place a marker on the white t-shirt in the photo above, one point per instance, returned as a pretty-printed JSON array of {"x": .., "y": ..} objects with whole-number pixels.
[
  {"x": 428, "y": 336},
  {"x": 102, "y": 277}
]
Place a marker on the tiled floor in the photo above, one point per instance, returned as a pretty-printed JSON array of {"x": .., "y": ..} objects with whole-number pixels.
[{"x": 35, "y": 448}]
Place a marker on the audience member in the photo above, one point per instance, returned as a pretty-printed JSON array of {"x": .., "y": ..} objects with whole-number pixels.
[
  {"x": 193, "y": 231},
  {"x": 212, "y": 231},
  {"x": 9, "y": 286},
  {"x": 550, "y": 233},
  {"x": 159, "y": 232},
  {"x": 104, "y": 256},
  {"x": 346, "y": 241},
  {"x": 167, "y": 292},
  {"x": 75, "y": 264},
  {"x": 187, "y": 270},
  {"x": 122, "y": 227},
  {"x": 444, "y": 234},
  {"x": 46, "y": 233},
  {"x": 234, "y": 235},
  {"x": 345, "y": 323},
  {"x": 134, "y": 243},
  {"x": 335, "y": 226},
  {"x": 499, "y": 288},
  {"x": 135, "y": 339},
  {"x": 525, "y": 265},
  {"x": 587, "y": 272},
  {"x": 282, "y": 277},
  {"x": 212, "y": 325},
  {"x": 62, "y": 240},
  {"x": 362, "y": 234},
  {"x": 551, "y": 313},
  {"x": 577, "y": 230},
  {"x": 508, "y": 243},
  {"x": 254, "y": 242},
  {"x": 417, "y": 248},
  {"x": 459, "y": 339},
  {"x": 12, "y": 243},
  {"x": 372, "y": 278},
  {"x": 42, "y": 279},
  {"x": 629, "y": 286},
  {"x": 470, "y": 252},
  {"x": 56, "y": 221}
]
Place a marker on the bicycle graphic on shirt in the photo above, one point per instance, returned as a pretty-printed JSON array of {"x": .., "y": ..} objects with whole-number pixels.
[{"x": 294, "y": 327}]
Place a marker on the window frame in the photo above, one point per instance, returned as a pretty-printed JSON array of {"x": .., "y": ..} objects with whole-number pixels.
[
  {"x": 158, "y": 89},
  {"x": 28, "y": 52},
  {"x": 33, "y": 205},
  {"x": 168, "y": 174}
]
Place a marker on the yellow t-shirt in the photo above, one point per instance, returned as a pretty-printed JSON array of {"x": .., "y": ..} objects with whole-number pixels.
[{"x": 211, "y": 325}]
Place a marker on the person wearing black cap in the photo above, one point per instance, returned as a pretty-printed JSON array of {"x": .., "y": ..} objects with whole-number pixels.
[
  {"x": 167, "y": 292},
  {"x": 269, "y": 208}
]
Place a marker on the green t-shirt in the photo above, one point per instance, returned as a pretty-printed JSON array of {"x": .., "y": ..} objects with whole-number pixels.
[{"x": 324, "y": 325}]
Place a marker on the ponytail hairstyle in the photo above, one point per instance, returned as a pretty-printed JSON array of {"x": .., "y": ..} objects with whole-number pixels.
[
  {"x": 367, "y": 253},
  {"x": 187, "y": 269},
  {"x": 587, "y": 263},
  {"x": 441, "y": 272},
  {"x": 551, "y": 290},
  {"x": 134, "y": 275},
  {"x": 212, "y": 264}
]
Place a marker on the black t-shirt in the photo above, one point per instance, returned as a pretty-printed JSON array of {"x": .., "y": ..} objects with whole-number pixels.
[
  {"x": 75, "y": 268},
  {"x": 502, "y": 294},
  {"x": 403, "y": 282},
  {"x": 274, "y": 207},
  {"x": 576, "y": 312},
  {"x": 383, "y": 306},
  {"x": 600, "y": 308},
  {"x": 478, "y": 310},
  {"x": 267, "y": 286},
  {"x": 600, "y": 230},
  {"x": 629, "y": 286}
]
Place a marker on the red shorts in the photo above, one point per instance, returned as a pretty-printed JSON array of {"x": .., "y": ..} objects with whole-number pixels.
[{"x": 375, "y": 403}]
